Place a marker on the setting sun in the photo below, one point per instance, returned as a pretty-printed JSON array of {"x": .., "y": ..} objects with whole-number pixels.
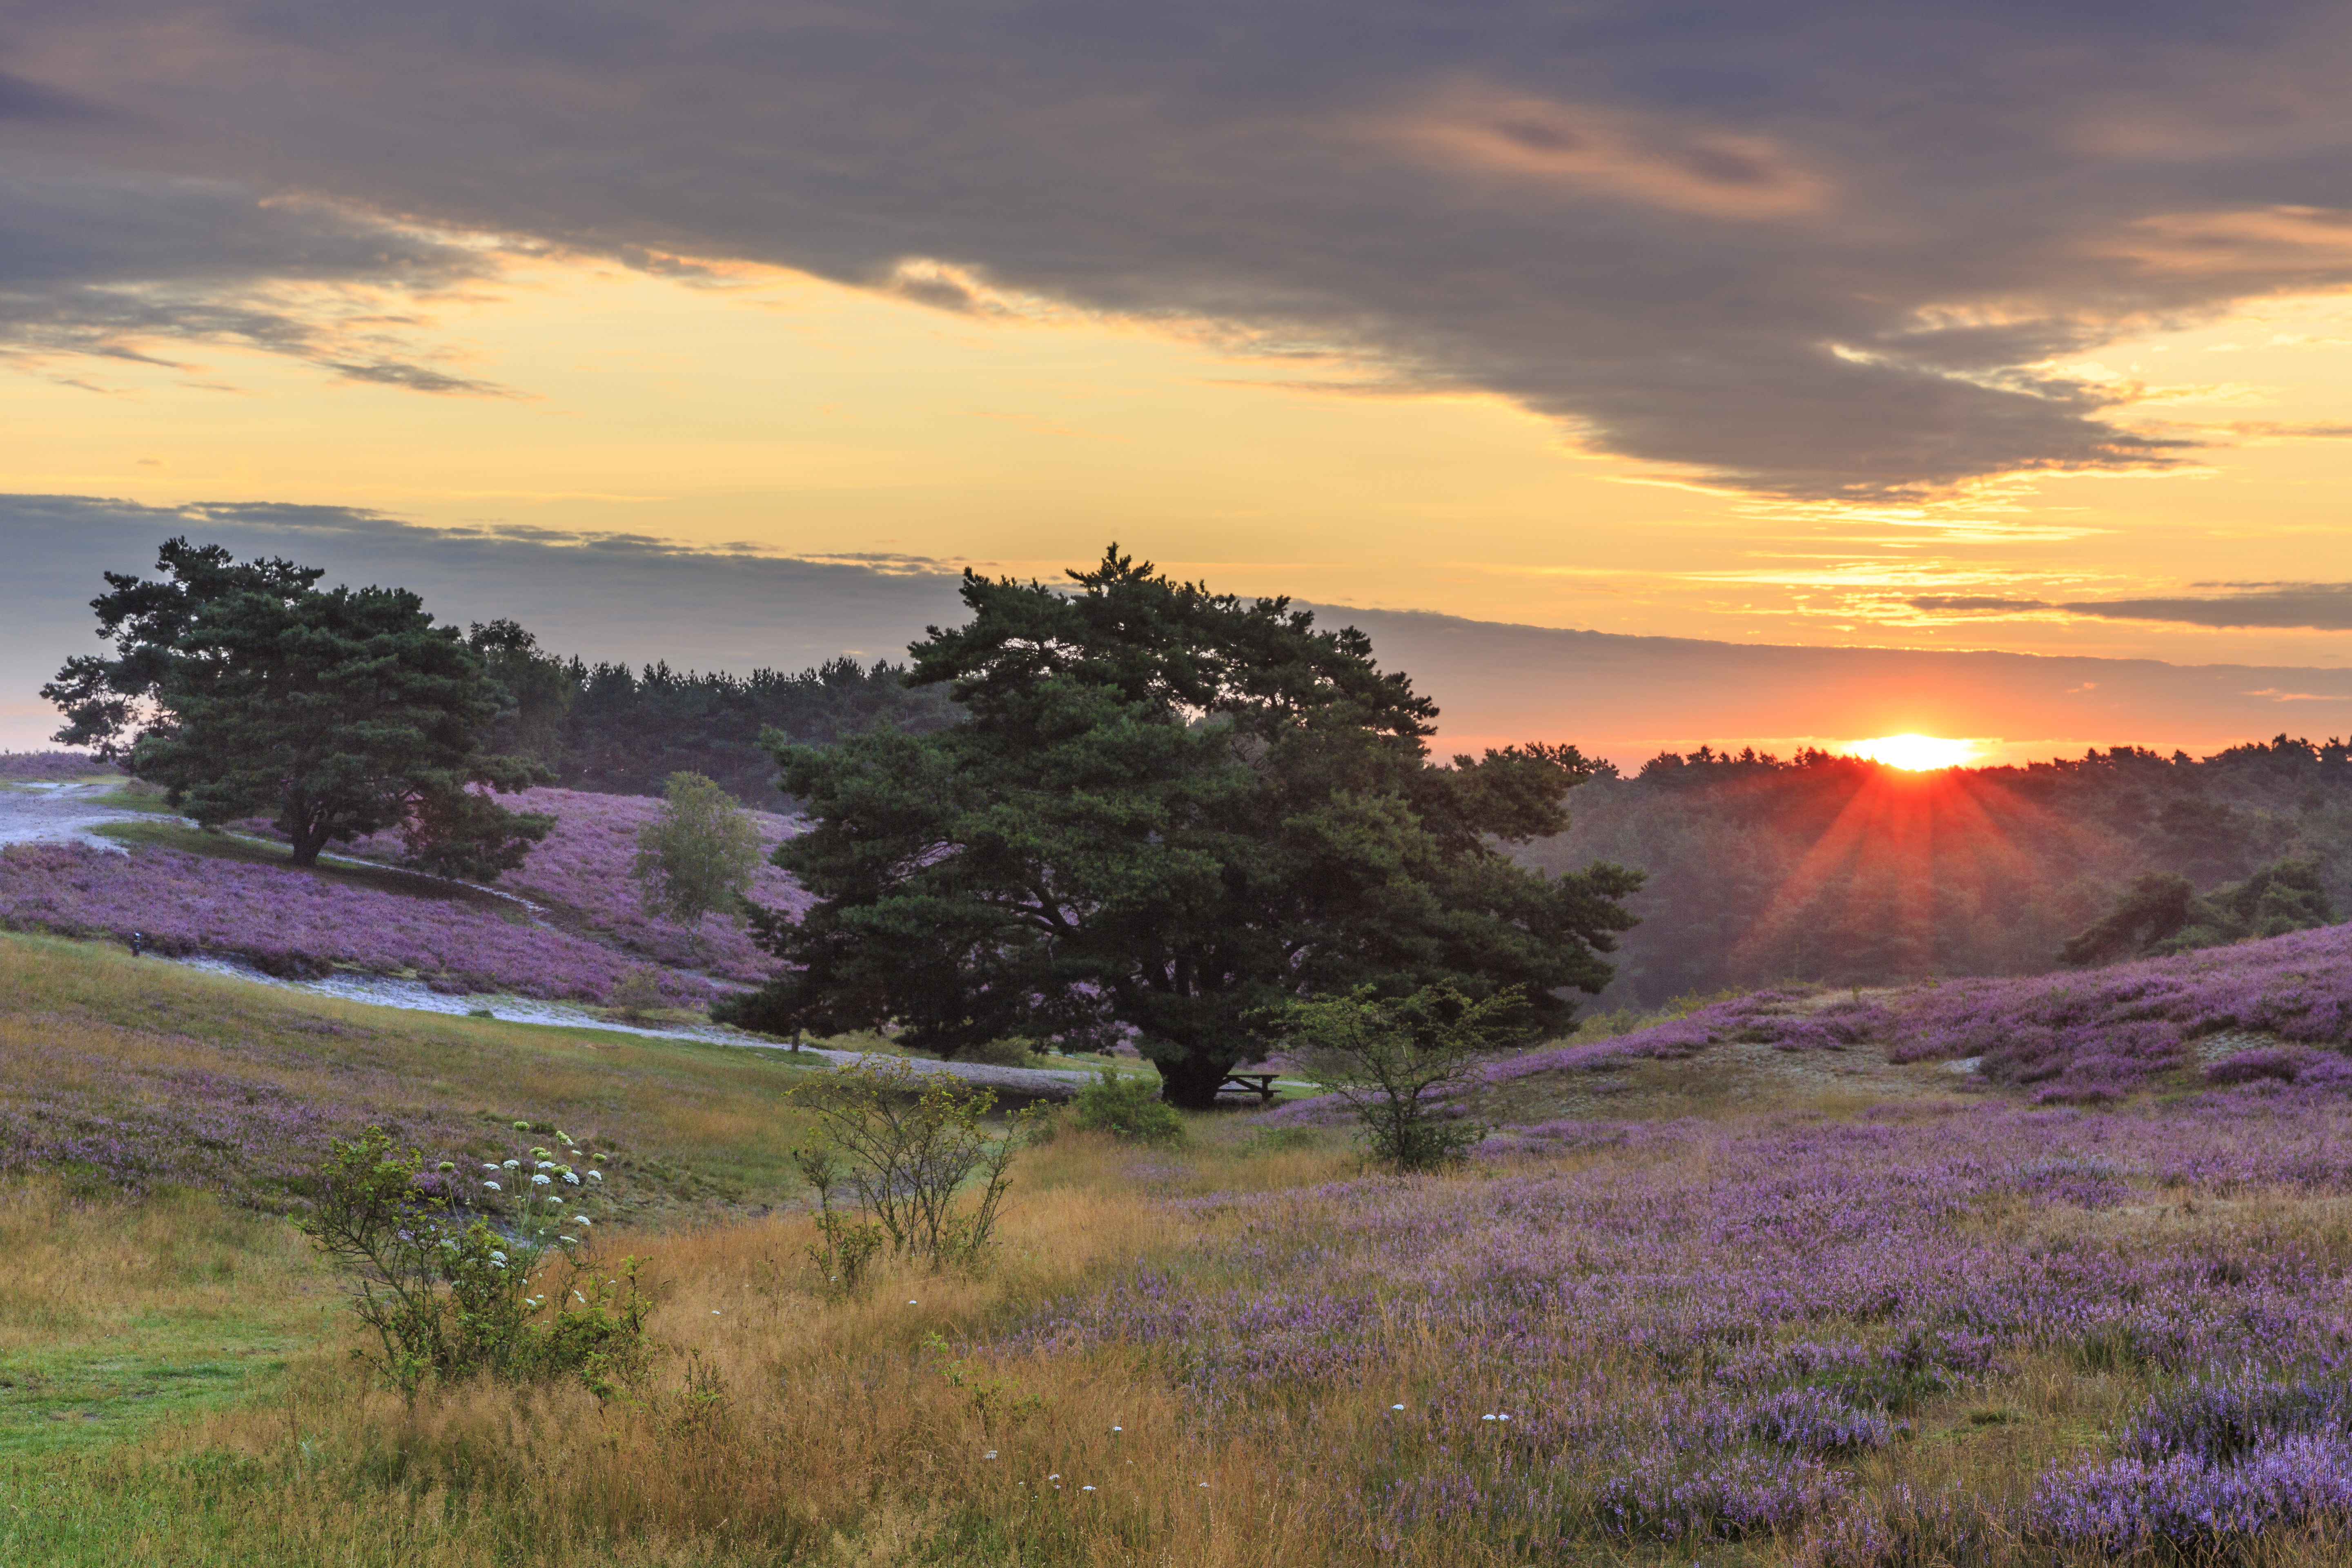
[{"x": 1917, "y": 752}]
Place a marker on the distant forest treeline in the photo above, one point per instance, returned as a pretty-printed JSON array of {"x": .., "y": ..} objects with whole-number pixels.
[
  {"x": 617, "y": 731},
  {"x": 1831, "y": 868}
]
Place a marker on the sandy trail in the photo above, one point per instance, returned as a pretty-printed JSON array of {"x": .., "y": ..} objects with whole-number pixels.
[
  {"x": 45, "y": 813},
  {"x": 415, "y": 996}
]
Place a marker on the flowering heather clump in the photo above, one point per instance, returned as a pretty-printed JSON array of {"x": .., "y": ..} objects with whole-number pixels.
[
  {"x": 2084, "y": 1038},
  {"x": 2219, "y": 1420},
  {"x": 294, "y": 924},
  {"x": 2182, "y": 1501},
  {"x": 1664, "y": 1497},
  {"x": 583, "y": 868},
  {"x": 1684, "y": 1341},
  {"x": 1815, "y": 1421}
]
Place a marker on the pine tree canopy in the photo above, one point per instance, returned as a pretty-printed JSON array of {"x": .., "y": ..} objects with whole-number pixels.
[{"x": 1163, "y": 814}]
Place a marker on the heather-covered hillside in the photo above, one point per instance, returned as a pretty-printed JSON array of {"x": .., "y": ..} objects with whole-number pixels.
[
  {"x": 2276, "y": 1011},
  {"x": 1832, "y": 868},
  {"x": 572, "y": 927}
]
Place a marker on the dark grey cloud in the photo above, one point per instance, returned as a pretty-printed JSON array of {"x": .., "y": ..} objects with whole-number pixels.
[
  {"x": 1823, "y": 247},
  {"x": 638, "y": 600},
  {"x": 151, "y": 269},
  {"x": 2275, "y": 607},
  {"x": 2311, "y": 607}
]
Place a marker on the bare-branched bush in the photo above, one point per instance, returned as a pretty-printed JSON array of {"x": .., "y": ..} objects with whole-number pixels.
[
  {"x": 907, "y": 1142},
  {"x": 456, "y": 1275},
  {"x": 845, "y": 1247}
]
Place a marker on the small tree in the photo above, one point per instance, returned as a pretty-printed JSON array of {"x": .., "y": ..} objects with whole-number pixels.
[
  {"x": 1391, "y": 1058},
  {"x": 698, "y": 857},
  {"x": 910, "y": 1140}
]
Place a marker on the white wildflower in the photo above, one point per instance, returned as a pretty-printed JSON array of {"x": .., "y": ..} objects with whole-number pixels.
[
  {"x": 492, "y": 1169},
  {"x": 538, "y": 1181},
  {"x": 570, "y": 1180},
  {"x": 514, "y": 1165},
  {"x": 595, "y": 1175},
  {"x": 494, "y": 1186},
  {"x": 497, "y": 1256}
]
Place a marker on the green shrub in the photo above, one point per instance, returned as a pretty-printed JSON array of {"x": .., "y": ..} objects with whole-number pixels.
[
  {"x": 1127, "y": 1107},
  {"x": 457, "y": 1275},
  {"x": 1011, "y": 1051},
  {"x": 636, "y": 993}
]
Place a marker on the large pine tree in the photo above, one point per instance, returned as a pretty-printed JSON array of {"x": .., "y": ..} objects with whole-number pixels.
[{"x": 1166, "y": 812}]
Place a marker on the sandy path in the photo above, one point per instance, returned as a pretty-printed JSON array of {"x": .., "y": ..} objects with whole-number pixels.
[
  {"x": 60, "y": 813},
  {"x": 415, "y": 996}
]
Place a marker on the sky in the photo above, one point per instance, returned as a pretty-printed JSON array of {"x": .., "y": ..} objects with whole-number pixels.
[{"x": 1637, "y": 375}]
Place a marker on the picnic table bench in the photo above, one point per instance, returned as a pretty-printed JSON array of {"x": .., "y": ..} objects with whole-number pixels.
[{"x": 1258, "y": 1083}]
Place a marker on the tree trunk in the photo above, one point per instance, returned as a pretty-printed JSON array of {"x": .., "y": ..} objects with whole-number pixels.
[
  {"x": 1189, "y": 1080},
  {"x": 307, "y": 842}
]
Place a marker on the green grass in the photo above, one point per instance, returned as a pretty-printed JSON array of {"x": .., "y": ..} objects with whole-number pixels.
[
  {"x": 703, "y": 1127},
  {"x": 115, "y": 1314}
]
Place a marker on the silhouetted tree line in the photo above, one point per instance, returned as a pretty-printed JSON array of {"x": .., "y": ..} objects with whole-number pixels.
[
  {"x": 617, "y": 731},
  {"x": 1830, "y": 867}
]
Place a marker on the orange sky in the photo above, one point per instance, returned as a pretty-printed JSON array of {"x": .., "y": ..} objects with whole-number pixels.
[{"x": 805, "y": 418}]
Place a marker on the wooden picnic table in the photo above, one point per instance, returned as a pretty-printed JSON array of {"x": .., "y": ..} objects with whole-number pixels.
[{"x": 1258, "y": 1083}]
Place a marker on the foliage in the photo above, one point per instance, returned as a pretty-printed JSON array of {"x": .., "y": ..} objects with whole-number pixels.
[
  {"x": 1128, "y": 1107},
  {"x": 2162, "y": 912},
  {"x": 908, "y": 1140},
  {"x": 289, "y": 924},
  {"x": 1169, "y": 811},
  {"x": 448, "y": 1294},
  {"x": 698, "y": 856},
  {"x": 244, "y": 689},
  {"x": 609, "y": 728},
  {"x": 1394, "y": 1058}
]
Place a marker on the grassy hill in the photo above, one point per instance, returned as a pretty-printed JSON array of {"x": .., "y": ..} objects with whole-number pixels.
[{"x": 1766, "y": 1283}]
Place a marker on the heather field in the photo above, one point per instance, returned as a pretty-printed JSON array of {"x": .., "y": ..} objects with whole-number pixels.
[
  {"x": 582, "y": 869},
  {"x": 1778, "y": 1286},
  {"x": 292, "y": 923},
  {"x": 580, "y": 928}
]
